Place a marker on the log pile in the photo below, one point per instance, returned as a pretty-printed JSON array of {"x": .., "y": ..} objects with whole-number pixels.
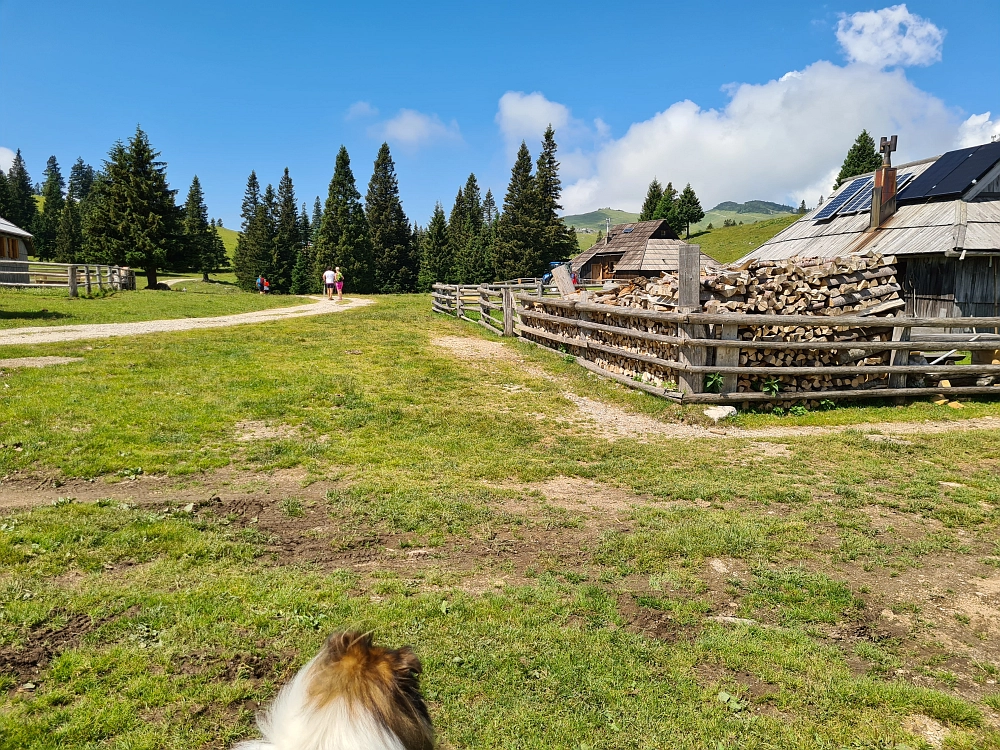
[{"x": 864, "y": 285}]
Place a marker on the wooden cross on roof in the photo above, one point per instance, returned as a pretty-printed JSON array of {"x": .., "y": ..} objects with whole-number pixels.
[{"x": 886, "y": 146}]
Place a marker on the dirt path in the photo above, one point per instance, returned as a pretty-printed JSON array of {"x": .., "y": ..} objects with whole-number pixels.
[
  {"x": 54, "y": 334},
  {"x": 612, "y": 422}
]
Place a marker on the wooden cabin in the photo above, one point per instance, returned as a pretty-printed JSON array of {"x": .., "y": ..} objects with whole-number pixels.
[
  {"x": 14, "y": 246},
  {"x": 942, "y": 223},
  {"x": 642, "y": 248}
]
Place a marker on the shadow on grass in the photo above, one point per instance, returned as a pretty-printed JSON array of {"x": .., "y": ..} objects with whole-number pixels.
[{"x": 31, "y": 315}]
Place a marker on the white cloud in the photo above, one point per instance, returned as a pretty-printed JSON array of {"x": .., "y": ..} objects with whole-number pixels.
[
  {"x": 360, "y": 110},
  {"x": 524, "y": 117},
  {"x": 890, "y": 36},
  {"x": 978, "y": 129},
  {"x": 6, "y": 158},
  {"x": 782, "y": 140},
  {"x": 413, "y": 129}
]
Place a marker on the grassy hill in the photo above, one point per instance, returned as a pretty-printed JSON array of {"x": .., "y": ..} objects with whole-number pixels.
[
  {"x": 748, "y": 213},
  {"x": 596, "y": 219},
  {"x": 229, "y": 237},
  {"x": 726, "y": 244}
]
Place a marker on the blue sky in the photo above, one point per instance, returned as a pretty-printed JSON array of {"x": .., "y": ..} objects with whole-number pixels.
[{"x": 743, "y": 100}]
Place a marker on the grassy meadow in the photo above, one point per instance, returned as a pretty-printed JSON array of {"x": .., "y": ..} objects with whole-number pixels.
[{"x": 184, "y": 516}]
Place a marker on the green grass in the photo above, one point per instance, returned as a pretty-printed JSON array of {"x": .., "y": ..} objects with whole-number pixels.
[
  {"x": 50, "y": 307},
  {"x": 585, "y": 241},
  {"x": 229, "y": 238},
  {"x": 192, "y": 615},
  {"x": 727, "y": 244}
]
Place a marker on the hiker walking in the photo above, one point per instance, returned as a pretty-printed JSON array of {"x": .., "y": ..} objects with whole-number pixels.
[
  {"x": 338, "y": 280},
  {"x": 260, "y": 283},
  {"x": 329, "y": 279}
]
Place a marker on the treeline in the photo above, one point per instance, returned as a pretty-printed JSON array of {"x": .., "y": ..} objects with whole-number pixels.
[
  {"x": 124, "y": 214},
  {"x": 680, "y": 210},
  {"x": 379, "y": 250}
]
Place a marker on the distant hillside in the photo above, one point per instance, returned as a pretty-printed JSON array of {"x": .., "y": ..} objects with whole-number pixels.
[
  {"x": 595, "y": 220},
  {"x": 229, "y": 237},
  {"x": 748, "y": 213},
  {"x": 726, "y": 244}
]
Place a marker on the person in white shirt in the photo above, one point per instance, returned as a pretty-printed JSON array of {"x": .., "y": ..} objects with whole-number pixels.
[{"x": 329, "y": 278}]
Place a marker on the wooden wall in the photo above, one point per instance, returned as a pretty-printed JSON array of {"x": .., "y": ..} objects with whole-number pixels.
[{"x": 935, "y": 286}]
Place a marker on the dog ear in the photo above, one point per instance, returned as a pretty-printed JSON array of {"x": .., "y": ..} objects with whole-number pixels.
[{"x": 407, "y": 662}]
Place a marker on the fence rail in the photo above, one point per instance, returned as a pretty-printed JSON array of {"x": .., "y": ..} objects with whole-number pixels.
[
  {"x": 696, "y": 357},
  {"x": 73, "y": 276}
]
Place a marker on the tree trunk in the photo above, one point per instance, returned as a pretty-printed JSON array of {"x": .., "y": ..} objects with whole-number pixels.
[
  {"x": 204, "y": 277},
  {"x": 151, "y": 277}
]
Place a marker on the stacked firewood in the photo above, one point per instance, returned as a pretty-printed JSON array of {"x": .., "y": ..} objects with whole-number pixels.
[
  {"x": 864, "y": 285},
  {"x": 796, "y": 286},
  {"x": 805, "y": 286}
]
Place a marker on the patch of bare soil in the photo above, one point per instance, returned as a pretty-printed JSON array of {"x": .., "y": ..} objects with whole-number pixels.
[
  {"x": 6, "y": 364},
  {"x": 583, "y": 495},
  {"x": 926, "y": 728},
  {"x": 26, "y": 662},
  {"x": 251, "y": 430},
  {"x": 613, "y": 422}
]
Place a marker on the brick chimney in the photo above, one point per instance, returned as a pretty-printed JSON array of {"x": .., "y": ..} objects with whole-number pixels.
[{"x": 884, "y": 192}]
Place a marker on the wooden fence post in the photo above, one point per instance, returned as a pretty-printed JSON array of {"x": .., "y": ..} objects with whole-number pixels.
[
  {"x": 541, "y": 288},
  {"x": 689, "y": 300},
  {"x": 86, "y": 276},
  {"x": 71, "y": 273},
  {"x": 507, "y": 300},
  {"x": 729, "y": 357},
  {"x": 899, "y": 357},
  {"x": 100, "y": 279}
]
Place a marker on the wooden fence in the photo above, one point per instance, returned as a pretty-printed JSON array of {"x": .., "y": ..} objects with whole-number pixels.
[
  {"x": 696, "y": 357},
  {"x": 74, "y": 277}
]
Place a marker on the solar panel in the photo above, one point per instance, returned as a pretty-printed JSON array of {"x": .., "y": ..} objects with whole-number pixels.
[
  {"x": 835, "y": 203},
  {"x": 863, "y": 200},
  {"x": 954, "y": 173}
]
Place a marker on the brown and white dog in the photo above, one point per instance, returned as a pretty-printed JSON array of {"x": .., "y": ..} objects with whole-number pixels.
[{"x": 352, "y": 695}]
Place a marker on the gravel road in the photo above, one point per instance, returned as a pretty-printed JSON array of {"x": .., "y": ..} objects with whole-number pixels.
[{"x": 55, "y": 334}]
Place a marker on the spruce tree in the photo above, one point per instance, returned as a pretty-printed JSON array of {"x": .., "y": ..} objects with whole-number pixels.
[
  {"x": 220, "y": 258},
  {"x": 251, "y": 199},
  {"x": 396, "y": 263},
  {"x": 255, "y": 248},
  {"x": 490, "y": 211},
  {"x": 862, "y": 157},
  {"x": 305, "y": 227},
  {"x": 653, "y": 196},
  {"x": 689, "y": 209},
  {"x": 21, "y": 195},
  {"x": 558, "y": 243},
  {"x": 457, "y": 235},
  {"x": 201, "y": 238},
  {"x": 81, "y": 180},
  {"x": 5, "y": 205},
  {"x": 135, "y": 220},
  {"x": 68, "y": 245},
  {"x": 343, "y": 236},
  {"x": 520, "y": 226},
  {"x": 802, "y": 207},
  {"x": 436, "y": 258},
  {"x": 47, "y": 221},
  {"x": 303, "y": 281},
  {"x": 316, "y": 221},
  {"x": 288, "y": 237},
  {"x": 668, "y": 209},
  {"x": 473, "y": 264}
]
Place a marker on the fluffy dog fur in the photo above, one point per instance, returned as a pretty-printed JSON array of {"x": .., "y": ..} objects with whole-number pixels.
[{"x": 352, "y": 695}]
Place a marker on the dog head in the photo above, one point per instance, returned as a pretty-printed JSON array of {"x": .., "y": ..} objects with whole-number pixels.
[{"x": 353, "y": 695}]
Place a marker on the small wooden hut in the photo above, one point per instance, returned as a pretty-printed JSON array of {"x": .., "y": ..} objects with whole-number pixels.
[
  {"x": 642, "y": 248},
  {"x": 14, "y": 246}
]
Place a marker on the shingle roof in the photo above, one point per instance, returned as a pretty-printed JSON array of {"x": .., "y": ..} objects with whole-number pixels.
[
  {"x": 624, "y": 239},
  {"x": 10, "y": 229},
  {"x": 657, "y": 255}
]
